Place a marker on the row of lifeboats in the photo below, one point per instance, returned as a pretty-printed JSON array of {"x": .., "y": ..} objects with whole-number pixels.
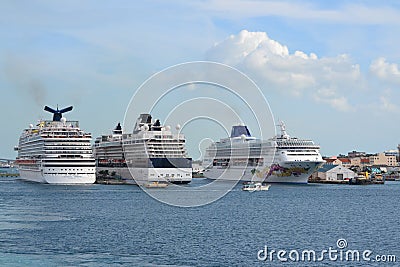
[
  {"x": 105, "y": 161},
  {"x": 25, "y": 162}
]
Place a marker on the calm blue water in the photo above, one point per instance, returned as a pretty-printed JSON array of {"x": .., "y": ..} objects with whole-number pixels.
[{"x": 99, "y": 225}]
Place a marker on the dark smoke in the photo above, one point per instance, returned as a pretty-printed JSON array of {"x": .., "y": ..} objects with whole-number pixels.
[
  {"x": 23, "y": 78},
  {"x": 38, "y": 91}
]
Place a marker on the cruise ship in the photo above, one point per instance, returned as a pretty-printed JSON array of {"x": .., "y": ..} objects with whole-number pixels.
[
  {"x": 56, "y": 152},
  {"x": 154, "y": 154},
  {"x": 110, "y": 158},
  {"x": 281, "y": 159}
]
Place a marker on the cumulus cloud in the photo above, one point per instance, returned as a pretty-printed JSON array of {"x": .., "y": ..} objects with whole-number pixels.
[
  {"x": 237, "y": 48},
  {"x": 329, "y": 96},
  {"x": 385, "y": 71},
  {"x": 295, "y": 74},
  {"x": 385, "y": 102}
]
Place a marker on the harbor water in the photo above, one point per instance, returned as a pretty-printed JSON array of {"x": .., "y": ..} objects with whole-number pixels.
[{"x": 120, "y": 225}]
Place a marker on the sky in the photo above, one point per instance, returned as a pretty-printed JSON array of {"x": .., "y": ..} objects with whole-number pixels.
[{"x": 329, "y": 69}]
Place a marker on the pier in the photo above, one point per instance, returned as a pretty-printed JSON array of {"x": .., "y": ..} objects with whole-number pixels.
[
  {"x": 354, "y": 181},
  {"x": 4, "y": 174},
  {"x": 111, "y": 181}
]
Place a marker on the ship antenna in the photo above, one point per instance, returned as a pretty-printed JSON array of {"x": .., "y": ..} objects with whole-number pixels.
[
  {"x": 283, "y": 130},
  {"x": 57, "y": 114}
]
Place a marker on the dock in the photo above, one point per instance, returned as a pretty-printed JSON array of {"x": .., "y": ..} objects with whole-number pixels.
[
  {"x": 4, "y": 174},
  {"x": 110, "y": 181},
  {"x": 328, "y": 182},
  {"x": 354, "y": 181}
]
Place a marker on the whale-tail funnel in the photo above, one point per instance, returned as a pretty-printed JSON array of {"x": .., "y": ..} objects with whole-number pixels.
[{"x": 57, "y": 114}]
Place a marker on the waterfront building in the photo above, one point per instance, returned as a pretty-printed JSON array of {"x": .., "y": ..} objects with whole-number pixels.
[
  {"x": 330, "y": 172},
  {"x": 364, "y": 162},
  {"x": 332, "y": 161},
  {"x": 345, "y": 162},
  {"x": 383, "y": 159},
  {"x": 393, "y": 152},
  {"x": 355, "y": 154},
  {"x": 359, "y": 162}
]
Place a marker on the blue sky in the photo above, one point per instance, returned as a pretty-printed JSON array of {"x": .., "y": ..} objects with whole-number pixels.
[{"x": 341, "y": 87}]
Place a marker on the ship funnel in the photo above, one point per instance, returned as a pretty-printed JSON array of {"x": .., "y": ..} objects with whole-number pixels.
[
  {"x": 144, "y": 119},
  {"x": 57, "y": 114},
  {"x": 118, "y": 129},
  {"x": 240, "y": 130}
]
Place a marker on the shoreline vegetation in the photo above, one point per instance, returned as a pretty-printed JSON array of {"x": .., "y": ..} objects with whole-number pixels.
[{"x": 104, "y": 177}]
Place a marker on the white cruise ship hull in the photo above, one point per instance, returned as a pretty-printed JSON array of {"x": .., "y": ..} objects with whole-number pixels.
[
  {"x": 38, "y": 177},
  {"x": 292, "y": 172},
  {"x": 31, "y": 175}
]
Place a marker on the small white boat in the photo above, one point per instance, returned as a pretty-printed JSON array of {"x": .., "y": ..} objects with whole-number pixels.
[
  {"x": 156, "y": 185},
  {"x": 255, "y": 187}
]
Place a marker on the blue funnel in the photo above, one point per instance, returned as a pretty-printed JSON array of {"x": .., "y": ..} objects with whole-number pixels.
[{"x": 57, "y": 114}]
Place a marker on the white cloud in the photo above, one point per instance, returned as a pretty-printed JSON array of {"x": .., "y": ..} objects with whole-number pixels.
[
  {"x": 388, "y": 75},
  {"x": 385, "y": 103},
  {"x": 238, "y": 47},
  {"x": 329, "y": 96},
  {"x": 296, "y": 74},
  {"x": 385, "y": 71}
]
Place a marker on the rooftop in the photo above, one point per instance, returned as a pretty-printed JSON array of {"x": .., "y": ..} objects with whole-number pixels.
[{"x": 326, "y": 167}]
